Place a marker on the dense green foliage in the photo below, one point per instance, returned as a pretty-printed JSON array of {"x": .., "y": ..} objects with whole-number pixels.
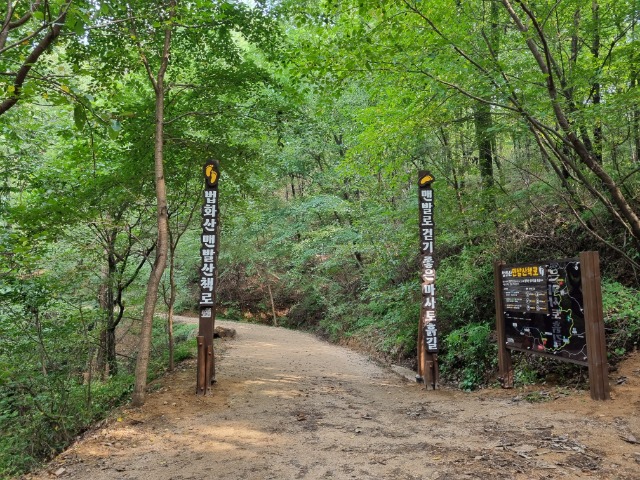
[
  {"x": 45, "y": 400},
  {"x": 533, "y": 139},
  {"x": 320, "y": 113}
]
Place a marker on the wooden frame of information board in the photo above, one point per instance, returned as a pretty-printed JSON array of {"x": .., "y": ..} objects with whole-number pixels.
[
  {"x": 210, "y": 241},
  {"x": 553, "y": 309},
  {"x": 428, "y": 327}
]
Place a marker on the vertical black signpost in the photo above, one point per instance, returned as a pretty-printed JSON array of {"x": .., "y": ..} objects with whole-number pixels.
[
  {"x": 208, "y": 278},
  {"x": 553, "y": 309},
  {"x": 428, "y": 328}
]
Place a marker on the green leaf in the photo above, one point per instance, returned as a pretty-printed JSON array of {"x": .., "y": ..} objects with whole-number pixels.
[
  {"x": 114, "y": 129},
  {"x": 78, "y": 28},
  {"x": 79, "y": 116}
]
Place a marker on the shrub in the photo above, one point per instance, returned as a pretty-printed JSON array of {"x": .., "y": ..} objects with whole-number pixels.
[
  {"x": 470, "y": 357},
  {"x": 40, "y": 414},
  {"x": 622, "y": 318}
]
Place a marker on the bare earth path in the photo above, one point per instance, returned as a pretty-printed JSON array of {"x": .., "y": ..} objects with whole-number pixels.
[{"x": 288, "y": 406}]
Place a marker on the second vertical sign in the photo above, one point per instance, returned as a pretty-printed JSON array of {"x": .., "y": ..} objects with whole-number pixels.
[
  {"x": 208, "y": 278},
  {"x": 428, "y": 333}
]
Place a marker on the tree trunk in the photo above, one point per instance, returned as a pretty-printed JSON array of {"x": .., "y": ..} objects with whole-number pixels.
[
  {"x": 110, "y": 330},
  {"x": 595, "y": 50},
  {"x": 112, "y": 361},
  {"x": 144, "y": 346},
  {"x": 273, "y": 305},
  {"x": 635, "y": 155},
  {"x": 454, "y": 179},
  {"x": 103, "y": 302},
  {"x": 172, "y": 300},
  {"x": 635, "y": 123},
  {"x": 484, "y": 140}
]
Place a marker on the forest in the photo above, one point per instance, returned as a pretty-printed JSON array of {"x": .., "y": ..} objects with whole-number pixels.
[{"x": 320, "y": 113}]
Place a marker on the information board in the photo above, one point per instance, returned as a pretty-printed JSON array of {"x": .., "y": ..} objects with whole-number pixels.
[{"x": 543, "y": 309}]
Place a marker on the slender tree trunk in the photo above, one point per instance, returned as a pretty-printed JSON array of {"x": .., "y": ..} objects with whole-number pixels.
[
  {"x": 171, "y": 339},
  {"x": 484, "y": 143},
  {"x": 273, "y": 305},
  {"x": 635, "y": 155},
  {"x": 160, "y": 263},
  {"x": 483, "y": 121},
  {"x": 635, "y": 123},
  {"x": 144, "y": 346},
  {"x": 44, "y": 359},
  {"x": 112, "y": 361},
  {"x": 448, "y": 155},
  {"x": 103, "y": 302},
  {"x": 88, "y": 376},
  {"x": 101, "y": 358},
  {"x": 595, "y": 50},
  {"x": 485, "y": 138},
  {"x": 172, "y": 300},
  {"x": 110, "y": 330}
]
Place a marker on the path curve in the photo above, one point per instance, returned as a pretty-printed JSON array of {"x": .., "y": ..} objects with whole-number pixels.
[{"x": 289, "y": 406}]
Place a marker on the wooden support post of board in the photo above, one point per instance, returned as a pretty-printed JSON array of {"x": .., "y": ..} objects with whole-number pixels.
[
  {"x": 421, "y": 353},
  {"x": 431, "y": 372},
  {"x": 505, "y": 367},
  {"x": 594, "y": 326},
  {"x": 202, "y": 386},
  {"x": 212, "y": 362},
  {"x": 210, "y": 366},
  {"x": 206, "y": 328}
]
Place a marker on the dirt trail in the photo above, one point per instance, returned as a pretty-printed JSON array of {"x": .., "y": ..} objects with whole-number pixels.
[{"x": 288, "y": 406}]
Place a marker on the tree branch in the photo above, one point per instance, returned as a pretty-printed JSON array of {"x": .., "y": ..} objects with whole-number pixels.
[{"x": 41, "y": 47}]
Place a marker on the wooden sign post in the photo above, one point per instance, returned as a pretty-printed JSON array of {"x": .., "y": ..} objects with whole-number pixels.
[
  {"x": 208, "y": 278},
  {"x": 553, "y": 309},
  {"x": 505, "y": 367},
  {"x": 428, "y": 328},
  {"x": 594, "y": 326}
]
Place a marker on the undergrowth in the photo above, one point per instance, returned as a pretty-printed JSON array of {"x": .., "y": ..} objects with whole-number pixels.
[{"x": 43, "y": 412}]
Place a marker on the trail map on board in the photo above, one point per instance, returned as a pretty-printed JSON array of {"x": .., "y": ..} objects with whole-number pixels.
[{"x": 543, "y": 309}]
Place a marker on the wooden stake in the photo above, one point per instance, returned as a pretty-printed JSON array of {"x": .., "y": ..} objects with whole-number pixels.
[
  {"x": 210, "y": 367},
  {"x": 201, "y": 377},
  {"x": 505, "y": 367},
  {"x": 432, "y": 372},
  {"x": 594, "y": 326}
]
